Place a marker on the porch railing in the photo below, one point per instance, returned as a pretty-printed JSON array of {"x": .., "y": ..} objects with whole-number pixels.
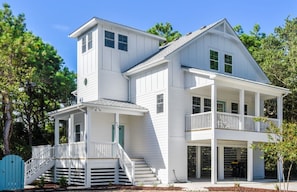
[
  {"x": 225, "y": 121},
  {"x": 126, "y": 163}
]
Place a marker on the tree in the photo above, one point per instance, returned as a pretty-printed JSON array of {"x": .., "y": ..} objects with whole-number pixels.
[
  {"x": 166, "y": 31},
  {"x": 281, "y": 146},
  {"x": 277, "y": 56}
]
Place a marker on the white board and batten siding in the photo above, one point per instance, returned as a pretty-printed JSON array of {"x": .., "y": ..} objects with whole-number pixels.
[
  {"x": 103, "y": 66},
  {"x": 145, "y": 87}
]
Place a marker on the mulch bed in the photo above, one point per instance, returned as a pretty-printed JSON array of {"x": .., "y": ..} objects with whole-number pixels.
[{"x": 241, "y": 189}]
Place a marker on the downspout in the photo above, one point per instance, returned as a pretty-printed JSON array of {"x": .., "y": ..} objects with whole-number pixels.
[{"x": 129, "y": 87}]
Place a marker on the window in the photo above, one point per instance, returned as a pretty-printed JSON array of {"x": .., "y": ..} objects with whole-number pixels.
[
  {"x": 228, "y": 63},
  {"x": 234, "y": 108},
  {"x": 123, "y": 43},
  {"x": 214, "y": 60},
  {"x": 160, "y": 103},
  {"x": 221, "y": 106},
  {"x": 77, "y": 133},
  {"x": 109, "y": 39},
  {"x": 196, "y": 105},
  {"x": 90, "y": 41},
  {"x": 207, "y": 105},
  {"x": 83, "y": 45}
]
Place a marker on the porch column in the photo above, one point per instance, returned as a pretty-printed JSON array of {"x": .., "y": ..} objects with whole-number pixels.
[
  {"x": 257, "y": 110},
  {"x": 250, "y": 159},
  {"x": 116, "y": 127},
  {"x": 87, "y": 120},
  {"x": 280, "y": 110},
  {"x": 241, "y": 109},
  {"x": 198, "y": 162},
  {"x": 214, "y": 154},
  {"x": 57, "y": 132},
  {"x": 221, "y": 162}
]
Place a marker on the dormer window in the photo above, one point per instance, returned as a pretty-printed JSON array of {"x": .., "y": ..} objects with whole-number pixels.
[
  {"x": 214, "y": 60},
  {"x": 228, "y": 63},
  {"x": 109, "y": 39},
  {"x": 123, "y": 42},
  {"x": 83, "y": 45}
]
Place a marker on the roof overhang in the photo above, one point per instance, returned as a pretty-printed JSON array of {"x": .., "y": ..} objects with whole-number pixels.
[
  {"x": 141, "y": 68},
  {"x": 240, "y": 83},
  {"x": 102, "y": 105}
]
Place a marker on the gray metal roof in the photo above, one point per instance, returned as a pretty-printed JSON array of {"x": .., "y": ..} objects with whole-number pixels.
[
  {"x": 113, "y": 103},
  {"x": 174, "y": 45}
]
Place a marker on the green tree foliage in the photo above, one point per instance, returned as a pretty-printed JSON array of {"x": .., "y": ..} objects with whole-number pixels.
[
  {"x": 277, "y": 56},
  {"x": 281, "y": 146},
  {"x": 166, "y": 31},
  {"x": 33, "y": 80}
]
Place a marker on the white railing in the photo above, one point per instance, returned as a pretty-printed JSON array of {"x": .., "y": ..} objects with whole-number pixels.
[
  {"x": 126, "y": 163},
  {"x": 103, "y": 150},
  {"x": 42, "y": 159},
  {"x": 225, "y": 121},
  {"x": 198, "y": 121}
]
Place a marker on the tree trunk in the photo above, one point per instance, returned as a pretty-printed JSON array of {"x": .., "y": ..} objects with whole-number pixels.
[{"x": 7, "y": 122}]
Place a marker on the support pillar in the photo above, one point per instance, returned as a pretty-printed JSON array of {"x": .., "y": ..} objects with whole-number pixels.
[
  {"x": 221, "y": 162},
  {"x": 87, "y": 147},
  {"x": 241, "y": 109},
  {"x": 116, "y": 127},
  {"x": 280, "y": 110},
  {"x": 57, "y": 142},
  {"x": 257, "y": 111},
  {"x": 198, "y": 162},
  {"x": 250, "y": 160},
  {"x": 214, "y": 160}
]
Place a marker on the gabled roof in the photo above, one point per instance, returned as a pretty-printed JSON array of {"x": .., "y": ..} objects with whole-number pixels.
[
  {"x": 95, "y": 20},
  {"x": 160, "y": 57}
]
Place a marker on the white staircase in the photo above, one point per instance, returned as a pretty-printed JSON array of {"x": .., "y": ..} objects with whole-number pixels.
[
  {"x": 143, "y": 173},
  {"x": 38, "y": 164}
]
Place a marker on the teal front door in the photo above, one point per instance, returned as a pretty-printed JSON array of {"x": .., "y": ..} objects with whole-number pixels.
[{"x": 121, "y": 134}]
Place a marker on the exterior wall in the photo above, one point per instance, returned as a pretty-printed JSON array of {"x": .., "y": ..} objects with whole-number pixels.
[
  {"x": 196, "y": 55},
  {"x": 144, "y": 90}
]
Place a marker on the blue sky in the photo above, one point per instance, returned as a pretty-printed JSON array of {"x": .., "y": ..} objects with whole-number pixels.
[{"x": 54, "y": 20}]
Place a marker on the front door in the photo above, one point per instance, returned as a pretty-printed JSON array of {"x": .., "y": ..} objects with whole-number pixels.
[{"x": 121, "y": 134}]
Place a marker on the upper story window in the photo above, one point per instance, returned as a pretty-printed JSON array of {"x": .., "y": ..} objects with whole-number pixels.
[
  {"x": 109, "y": 39},
  {"x": 77, "y": 133},
  {"x": 214, "y": 59},
  {"x": 160, "y": 103},
  {"x": 207, "y": 105},
  {"x": 123, "y": 42},
  {"x": 221, "y": 106},
  {"x": 235, "y": 108},
  {"x": 84, "y": 44},
  {"x": 196, "y": 105},
  {"x": 90, "y": 40},
  {"x": 228, "y": 63}
]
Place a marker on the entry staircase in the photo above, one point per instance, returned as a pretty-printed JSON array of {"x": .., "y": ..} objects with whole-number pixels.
[
  {"x": 143, "y": 173},
  {"x": 39, "y": 164}
]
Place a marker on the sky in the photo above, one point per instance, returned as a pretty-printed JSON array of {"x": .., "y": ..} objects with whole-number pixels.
[{"x": 54, "y": 20}]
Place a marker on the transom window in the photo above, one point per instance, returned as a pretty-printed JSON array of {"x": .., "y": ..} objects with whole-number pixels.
[
  {"x": 214, "y": 60},
  {"x": 90, "y": 40},
  {"x": 228, "y": 63},
  {"x": 123, "y": 42},
  {"x": 160, "y": 103},
  {"x": 109, "y": 39},
  {"x": 196, "y": 105},
  {"x": 83, "y": 44}
]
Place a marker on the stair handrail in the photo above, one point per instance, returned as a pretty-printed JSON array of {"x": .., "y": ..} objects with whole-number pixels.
[
  {"x": 125, "y": 161},
  {"x": 33, "y": 165}
]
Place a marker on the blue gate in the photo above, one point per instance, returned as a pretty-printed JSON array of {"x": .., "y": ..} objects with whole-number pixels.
[{"x": 11, "y": 173}]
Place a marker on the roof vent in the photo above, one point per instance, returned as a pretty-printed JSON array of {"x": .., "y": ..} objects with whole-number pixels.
[
  {"x": 203, "y": 27},
  {"x": 189, "y": 33}
]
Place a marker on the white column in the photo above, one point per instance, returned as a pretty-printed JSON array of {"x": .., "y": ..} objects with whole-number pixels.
[
  {"x": 279, "y": 171},
  {"x": 280, "y": 110},
  {"x": 257, "y": 110},
  {"x": 221, "y": 163},
  {"x": 250, "y": 159},
  {"x": 87, "y": 134},
  {"x": 116, "y": 127},
  {"x": 198, "y": 162},
  {"x": 241, "y": 109},
  {"x": 57, "y": 132},
  {"x": 214, "y": 161}
]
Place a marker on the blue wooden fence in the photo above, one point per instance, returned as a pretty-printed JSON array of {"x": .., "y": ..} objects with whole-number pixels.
[{"x": 11, "y": 173}]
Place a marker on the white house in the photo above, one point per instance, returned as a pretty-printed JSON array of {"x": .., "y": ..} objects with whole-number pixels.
[{"x": 150, "y": 114}]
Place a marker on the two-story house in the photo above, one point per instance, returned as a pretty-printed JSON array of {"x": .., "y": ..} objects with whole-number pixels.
[{"x": 150, "y": 114}]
